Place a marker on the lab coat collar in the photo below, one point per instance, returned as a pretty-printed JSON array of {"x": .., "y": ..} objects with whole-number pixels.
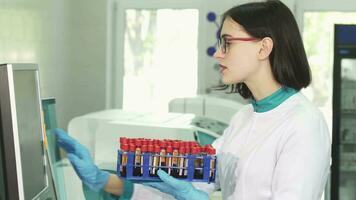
[{"x": 274, "y": 100}]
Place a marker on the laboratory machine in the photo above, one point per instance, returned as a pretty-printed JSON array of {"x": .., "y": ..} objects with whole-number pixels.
[{"x": 25, "y": 170}]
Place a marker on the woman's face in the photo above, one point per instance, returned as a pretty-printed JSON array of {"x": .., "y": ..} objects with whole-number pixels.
[{"x": 240, "y": 61}]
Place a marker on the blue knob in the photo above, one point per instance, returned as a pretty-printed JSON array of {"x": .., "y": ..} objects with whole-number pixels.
[
  {"x": 211, "y": 16},
  {"x": 210, "y": 51}
]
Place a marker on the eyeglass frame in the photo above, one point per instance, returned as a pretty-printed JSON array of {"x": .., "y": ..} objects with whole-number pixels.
[{"x": 225, "y": 39}]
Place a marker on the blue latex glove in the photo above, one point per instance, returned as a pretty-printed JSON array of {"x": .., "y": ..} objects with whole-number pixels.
[
  {"x": 82, "y": 162},
  {"x": 181, "y": 190}
]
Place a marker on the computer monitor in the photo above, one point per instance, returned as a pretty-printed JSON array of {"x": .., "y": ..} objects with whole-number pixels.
[{"x": 24, "y": 164}]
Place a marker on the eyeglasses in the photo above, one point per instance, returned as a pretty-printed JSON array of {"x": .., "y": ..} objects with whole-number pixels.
[{"x": 224, "y": 42}]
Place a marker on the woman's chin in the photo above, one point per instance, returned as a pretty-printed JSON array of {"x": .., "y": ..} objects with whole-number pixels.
[{"x": 228, "y": 81}]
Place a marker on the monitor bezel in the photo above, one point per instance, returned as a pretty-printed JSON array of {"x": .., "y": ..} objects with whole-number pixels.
[{"x": 14, "y": 185}]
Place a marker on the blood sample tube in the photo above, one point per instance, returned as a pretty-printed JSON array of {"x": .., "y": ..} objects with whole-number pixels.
[
  {"x": 169, "y": 152},
  {"x": 144, "y": 142},
  {"x": 162, "y": 156},
  {"x": 143, "y": 151},
  {"x": 175, "y": 159},
  {"x": 211, "y": 152},
  {"x": 150, "y": 142},
  {"x": 155, "y": 162},
  {"x": 138, "y": 155},
  {"x": 150, "y": 150},
  {"x": 193, "y": 144},
  {"x": 198, "y": 170},
  {"x": 181, "y": 162},
  {"x": 186, "y": 144},
  {"x": 123, "y": 140},
  {"x": 156, "y": 142},
  {"x": 186, "y": 160},
  {"x": 132, "y": 149},
  {"x": 124, "y": 149}
]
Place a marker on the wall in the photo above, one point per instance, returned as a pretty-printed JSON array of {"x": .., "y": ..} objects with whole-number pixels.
[
  {"x": 32, "y": 32},
  {"x": 85, "y": 52},
  {"x": 67, "y": 39}
]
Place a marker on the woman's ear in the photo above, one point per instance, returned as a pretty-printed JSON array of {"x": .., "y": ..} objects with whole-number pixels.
[{"x": 265, "y": 48}]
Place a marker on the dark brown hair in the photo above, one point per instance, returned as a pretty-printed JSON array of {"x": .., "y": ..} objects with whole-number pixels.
[{"x": 288, "y": 59}]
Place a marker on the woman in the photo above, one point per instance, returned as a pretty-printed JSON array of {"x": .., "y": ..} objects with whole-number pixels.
[{"x": 277, "y": 147}]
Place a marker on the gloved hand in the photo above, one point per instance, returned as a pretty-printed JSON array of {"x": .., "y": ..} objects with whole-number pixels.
[
  {"x": 82, "y": 162},
  {"x": 181, "y": 190}
]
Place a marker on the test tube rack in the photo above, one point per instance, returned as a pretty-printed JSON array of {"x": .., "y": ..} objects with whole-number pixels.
[{"x": 208, "y": 172}]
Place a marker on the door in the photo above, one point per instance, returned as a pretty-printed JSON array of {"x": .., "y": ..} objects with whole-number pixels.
[{"x": 343, "y": 180}]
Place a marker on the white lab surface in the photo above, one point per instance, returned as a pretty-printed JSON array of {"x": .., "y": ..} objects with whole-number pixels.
[{"x": 280, "y": 154}]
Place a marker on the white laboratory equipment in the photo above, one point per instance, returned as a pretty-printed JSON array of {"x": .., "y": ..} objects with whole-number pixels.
[{"x": 209, "y": 107}]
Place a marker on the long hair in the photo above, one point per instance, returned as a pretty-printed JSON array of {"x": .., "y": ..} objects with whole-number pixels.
[{"x": 288, "y": 59}]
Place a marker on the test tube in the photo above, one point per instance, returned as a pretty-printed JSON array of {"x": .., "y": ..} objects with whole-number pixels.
[
  {"x": 162, "y": 156},
  {"x": 124, "y": 149},
  {"x": 150, "y": 149},
  {"x": 123, "y": 140},
  {"x": 156, "y": 142},
  {"x": 193, "y": 144},
  {"x": 155, "y": 162},
  {"x": 168, "y": 142},
  {"x": 145, "y": 142},
  {"x": 181, "y": 161},
  {"x": 198, "y": 169},
  {"x": 175, "y": 154},
  {"x": 138, "y": 152},
  {"x": 186, "y": 160},
  {"x": 143, "y": 151},
  {"x": 150, "y": 142},
  {"x": 132, "y": 149},
  {"x": 211, "y": 152},
  {"x": 169, "y": 159},
  {"x": 131, "y": 141}
]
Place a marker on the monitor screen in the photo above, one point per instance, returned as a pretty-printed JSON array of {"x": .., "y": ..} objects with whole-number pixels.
[
  {"x": 30, "y": 133},
  {"x": 23, "y": 158},
  {"x": 2, "y": 183}
]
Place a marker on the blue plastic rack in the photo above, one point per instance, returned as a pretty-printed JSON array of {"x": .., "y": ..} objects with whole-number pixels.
[{"x": 145, "y": 176}]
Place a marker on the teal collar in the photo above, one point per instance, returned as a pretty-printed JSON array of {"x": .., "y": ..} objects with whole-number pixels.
[{"x": 272, "y": 101}]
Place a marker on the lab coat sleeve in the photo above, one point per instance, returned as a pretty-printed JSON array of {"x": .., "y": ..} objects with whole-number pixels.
[{"x": 303, "y": 160}]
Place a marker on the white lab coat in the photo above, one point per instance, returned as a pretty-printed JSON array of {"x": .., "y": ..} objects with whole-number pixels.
[{"x": 281, "y": 154}]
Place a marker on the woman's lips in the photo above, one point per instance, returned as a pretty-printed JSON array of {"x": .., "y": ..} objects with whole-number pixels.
[{"x": 222, "y": 68}]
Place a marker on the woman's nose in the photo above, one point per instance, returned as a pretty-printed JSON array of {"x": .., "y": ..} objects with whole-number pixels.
[{"x": 218, "y": 54}]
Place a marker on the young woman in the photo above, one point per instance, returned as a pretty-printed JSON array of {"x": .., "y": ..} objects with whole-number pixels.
[{"x": 277, "y": 147}]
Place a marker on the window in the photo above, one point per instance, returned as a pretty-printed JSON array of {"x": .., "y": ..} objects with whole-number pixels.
[{"x": 160, "y": 57}]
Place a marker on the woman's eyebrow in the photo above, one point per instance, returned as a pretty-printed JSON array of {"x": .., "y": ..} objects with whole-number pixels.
[{"x": 225, "y": 35}]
